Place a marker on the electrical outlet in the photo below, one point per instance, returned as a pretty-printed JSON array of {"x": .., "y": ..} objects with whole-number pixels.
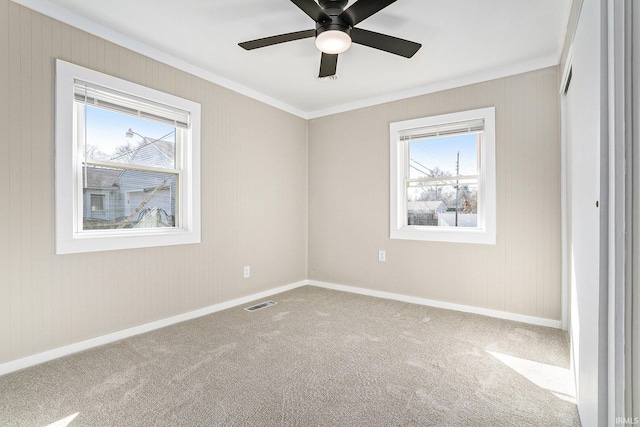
[
  {"x": 382, "y": 256},
  {"x": 247, "y": 271}
]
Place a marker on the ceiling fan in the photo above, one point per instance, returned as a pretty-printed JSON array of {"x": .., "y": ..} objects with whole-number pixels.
[{"x": 335, "y": 30}]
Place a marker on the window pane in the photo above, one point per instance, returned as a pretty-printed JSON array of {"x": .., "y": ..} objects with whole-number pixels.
[
  {"x": 130, "y": 199},
  {"x": 123, "y": 138},
  {"x": 446, "y": 156},
  {"x": 445, "y": 204},
  {"x": 97, "y": 202}
]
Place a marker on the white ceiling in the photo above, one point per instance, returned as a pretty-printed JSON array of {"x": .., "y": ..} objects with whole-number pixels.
[{"x": 463, "y": 41}]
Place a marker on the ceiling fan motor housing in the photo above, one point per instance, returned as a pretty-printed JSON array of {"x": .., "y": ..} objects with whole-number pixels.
[
  {"x": 332, "y": 26},
  {"x": 333, "y": 8}
]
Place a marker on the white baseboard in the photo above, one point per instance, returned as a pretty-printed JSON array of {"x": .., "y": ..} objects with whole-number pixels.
[
  {"x": 66, "y": 350},
  {"x": 540, "y": 321}
]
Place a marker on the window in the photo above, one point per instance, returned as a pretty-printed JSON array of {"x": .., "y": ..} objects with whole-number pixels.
[
  {"x": 127, "y": 164},
  {"x": 443, "y": 178},
  {"x": 97, "y": 202}
]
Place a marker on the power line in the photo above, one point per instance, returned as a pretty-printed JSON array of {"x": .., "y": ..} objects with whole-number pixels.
[
  {"x": 419, "y": 170},
  {"x": 415, "y": 161}
]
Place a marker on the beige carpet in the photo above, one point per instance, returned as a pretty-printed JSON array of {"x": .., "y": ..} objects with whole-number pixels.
[{"x": 317, "y": 358}]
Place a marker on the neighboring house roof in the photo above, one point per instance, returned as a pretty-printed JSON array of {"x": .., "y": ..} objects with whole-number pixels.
[
  {"x": 155, "y": 153},
  {"x": 167, "y": 148},
  {"x": 426, "y": 206},
  {"x": 101, "y": 177}
]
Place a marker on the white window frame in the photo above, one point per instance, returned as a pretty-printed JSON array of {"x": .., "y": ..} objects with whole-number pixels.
[
  {"x": 485, "y": 232},
  {"x": 70, "y": 238}
]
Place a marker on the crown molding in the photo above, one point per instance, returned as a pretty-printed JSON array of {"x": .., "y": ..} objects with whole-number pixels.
[
  {"x": 469, "y": 79},
  {"x": 76, "y": 20}
]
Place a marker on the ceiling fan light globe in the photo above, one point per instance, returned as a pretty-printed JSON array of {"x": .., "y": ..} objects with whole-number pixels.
[{"x": 333, "y": 41}]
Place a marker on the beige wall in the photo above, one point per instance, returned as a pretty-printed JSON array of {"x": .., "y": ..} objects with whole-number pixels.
[
  {"x": 254, "y": 200},
  {"x": 256, "y": 161},
  {"x": 349, "y": 203}
]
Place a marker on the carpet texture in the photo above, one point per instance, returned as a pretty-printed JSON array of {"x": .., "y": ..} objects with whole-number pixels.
[{"x": 317, "y": 358}]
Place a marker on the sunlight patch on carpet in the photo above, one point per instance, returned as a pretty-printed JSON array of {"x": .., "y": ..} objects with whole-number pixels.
[
  {"x": 553, "y": 378},
  {"x": 64, "y": 422}
]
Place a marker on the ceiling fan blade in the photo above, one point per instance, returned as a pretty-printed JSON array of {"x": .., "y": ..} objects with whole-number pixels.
[
  {"x": 312, "y": 9},
  {"x": 328, "y": 65},
  {"x": 363, "y": 9},
  {"x": 268, "y": 41},
  {"x": 384, "y": 42}
]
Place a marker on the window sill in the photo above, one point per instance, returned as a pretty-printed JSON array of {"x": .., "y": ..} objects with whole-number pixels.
[
  {"x": 114, "y": 240},
  {"x": 442, "y": 234}
]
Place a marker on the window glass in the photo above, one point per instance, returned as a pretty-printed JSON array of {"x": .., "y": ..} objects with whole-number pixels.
[
  {"x": 97, "y": 202},
  {"x": 442, "y": 186},
  {"x": 126, "y": 139},
  {"x": 137, "y": 198}
]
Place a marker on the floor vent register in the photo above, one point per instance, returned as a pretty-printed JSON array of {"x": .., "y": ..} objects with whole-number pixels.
[{"x": 261, "y": 305}]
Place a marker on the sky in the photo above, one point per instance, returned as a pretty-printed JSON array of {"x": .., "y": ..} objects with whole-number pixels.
[
  {"x": 442, "y": 153},
  {"x": 107, "y": 129}
]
